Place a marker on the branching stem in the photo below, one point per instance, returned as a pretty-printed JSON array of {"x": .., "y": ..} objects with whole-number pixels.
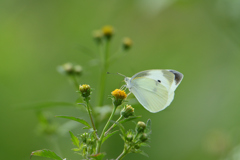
[{"x": 104, "y": 129}]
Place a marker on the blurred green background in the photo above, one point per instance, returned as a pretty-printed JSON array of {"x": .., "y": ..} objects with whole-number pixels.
[{"x": 199, "y": 38}]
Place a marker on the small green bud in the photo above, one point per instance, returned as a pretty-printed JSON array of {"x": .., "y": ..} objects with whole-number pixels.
[
  {"x": 85, "y": 90},
  {"x": 140, "y": 126},
  {"x": 84, "y": 137},
  {"x": 127, "y": 43},
  {"x": 143, "y": 137},
  {"x": 129, "y": 137},
  {"x": 127, "y": 111},
  {"x": 90, "y": 141},
  {"x": 137, "y": 146},
  {"x": 78, "y": 69}
]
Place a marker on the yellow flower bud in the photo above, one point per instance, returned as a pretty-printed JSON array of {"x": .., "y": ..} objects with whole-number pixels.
[
  {"x": 127, "y": 43},
  {"x": 85, "y": 90},
  {"x": 127, "y": 111},
  {"x": 118, "y": 96},
  {"x": 107, "y": 31}
]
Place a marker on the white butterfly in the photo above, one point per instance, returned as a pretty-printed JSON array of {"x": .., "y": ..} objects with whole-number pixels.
[{"x": 154, "y": 89}]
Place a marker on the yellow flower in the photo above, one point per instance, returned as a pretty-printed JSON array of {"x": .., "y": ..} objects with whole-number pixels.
[
  {"x": 107, "y": 31},
  {"x": 119, "y": 95}
]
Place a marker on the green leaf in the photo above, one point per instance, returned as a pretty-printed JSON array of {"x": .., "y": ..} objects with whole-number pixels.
[
  {"x": 144, "y": 145},
  {"x": 142, "y": 153},
  {"x": 74, "y": 139},
  {"x": 46, "y": 153},
  {"x": 123, "y": 138},
  {"x": 109, "y": 135},
  {"x": 122, "y": 129},
  {"x": 148, "y": 126},
  {"x": 76, "y": 149},
  {"x": 98, "y": 156},
  {"x": 129, "y": 119},
  {"x": 76, "y": 119}
]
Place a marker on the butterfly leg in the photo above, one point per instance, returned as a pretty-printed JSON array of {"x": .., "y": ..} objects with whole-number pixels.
[
  {"x": 129, "y": 94},
  {"x": 123, "y": 87}
]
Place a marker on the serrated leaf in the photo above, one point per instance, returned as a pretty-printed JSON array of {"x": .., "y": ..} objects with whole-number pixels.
[
  {"x": 144, "y": 145},
  {"x": 142, "y": 153},
  {"x": 122, "y": 129},
  {"x": 46, "y": 153},
  {"x": 76, "y": 119},
  {"x": 148, "y": 126},
  {"x": 74, "y": 139},
  {"x": 98, "y": 156},
  {"x": 129, "y": 119},
  {"x": 109, "y": 135},
  {"x": 123, "y": 138}
]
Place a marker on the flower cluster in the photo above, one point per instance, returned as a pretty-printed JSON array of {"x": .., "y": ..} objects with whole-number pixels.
[
  {"x": 89, "y": 143},
  {"x": 134, "y": 140},
  {"x": 70, "y": 69}
]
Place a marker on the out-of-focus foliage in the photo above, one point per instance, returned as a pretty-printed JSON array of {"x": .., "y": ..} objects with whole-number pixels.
[{"x": 198, "y": 38}]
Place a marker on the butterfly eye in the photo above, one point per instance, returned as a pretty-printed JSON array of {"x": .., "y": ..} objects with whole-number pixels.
[{"x": 159, "y": 81}]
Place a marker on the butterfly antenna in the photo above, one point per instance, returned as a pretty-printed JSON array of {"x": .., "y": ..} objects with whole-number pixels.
[
  {"x": 117, "y": 73},
  {"x": 121, "y": 74}
]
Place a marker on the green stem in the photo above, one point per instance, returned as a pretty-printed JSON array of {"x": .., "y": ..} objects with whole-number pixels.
[
  {"x": 104, "y": 68},
  {"x": 123, "y": 154},
  {"x": 104, "y": 129},
  {"x": 91, "y": 118},
  {"x": 114, "y": 125},
  {"x": 75, "y": 82}
]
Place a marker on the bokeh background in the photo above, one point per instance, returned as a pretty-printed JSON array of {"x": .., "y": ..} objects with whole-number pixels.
[{"x": 199, "y": 38}]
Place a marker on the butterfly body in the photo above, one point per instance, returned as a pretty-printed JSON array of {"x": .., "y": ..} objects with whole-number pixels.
[{"x": 154, "y": 89}]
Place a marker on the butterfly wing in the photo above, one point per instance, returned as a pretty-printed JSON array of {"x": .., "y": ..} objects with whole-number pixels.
[
  {"x": 153, "y": 96},
  {"x": 154, "y": 89}
]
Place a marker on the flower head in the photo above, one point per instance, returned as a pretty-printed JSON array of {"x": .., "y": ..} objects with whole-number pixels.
[
  {"x": 140, "y": 127},
  {"x": 85, "y": 89},
  {"x": 118, "y": 96},
  {"x": 107, "y": 31},
  {"x": 144, "y": 137},
  {"x": 68, "y": 68},
  {"x": 127, "y": 111},
  {"x": 78, "y": 69},
  {"x": 127, "y": 43},
  {"x": 98, "y": 35}
]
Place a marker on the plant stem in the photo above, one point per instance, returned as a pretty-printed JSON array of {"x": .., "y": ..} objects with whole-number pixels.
[
  {"x": 114, "y": 125},
  {"x": 124, "y": 153},
  {"x": 75, "y": 82},
  {"x": 91, "y": 118},
  {"x": 104, "y": 129},
  {"x": 104, "y": 68}
]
